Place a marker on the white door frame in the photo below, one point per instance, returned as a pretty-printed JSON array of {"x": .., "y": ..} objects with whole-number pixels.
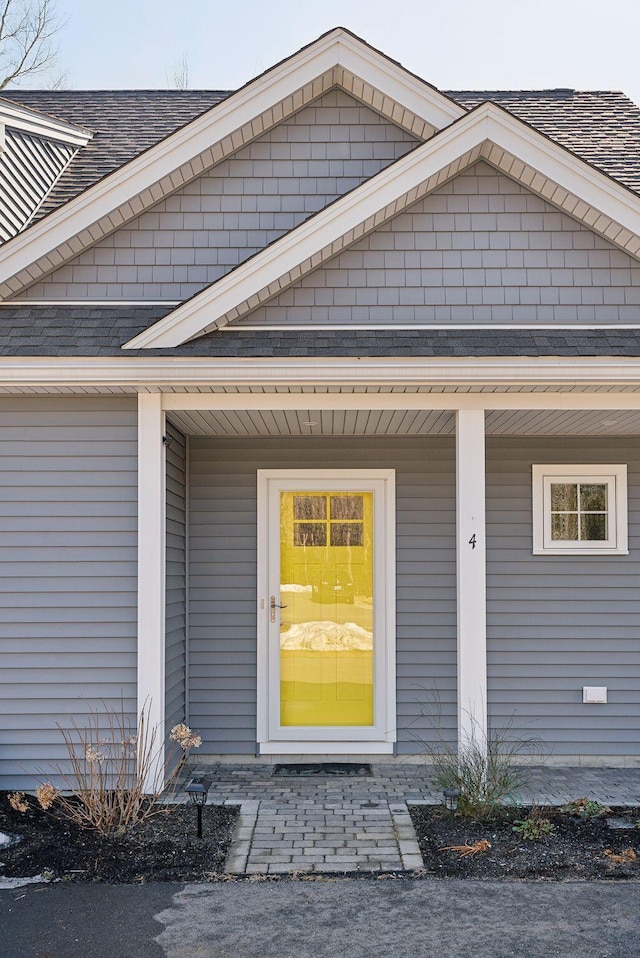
[{"x": 379, "y": 738}]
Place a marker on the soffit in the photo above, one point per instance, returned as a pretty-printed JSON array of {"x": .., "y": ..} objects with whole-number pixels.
[{"x": 313, "y": 423}]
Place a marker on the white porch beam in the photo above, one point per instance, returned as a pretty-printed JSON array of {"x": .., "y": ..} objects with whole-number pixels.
[
  {"x": 437, "y": 401},
  {"x": 151, "y": 569},
  {"x": 174, "y": 372},
  {"x": 471, "y": 577}
]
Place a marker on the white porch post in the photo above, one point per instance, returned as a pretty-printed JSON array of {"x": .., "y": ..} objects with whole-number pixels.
[
  {"x": 471, "y": 576},
  {"x": 151, "y": 565}
]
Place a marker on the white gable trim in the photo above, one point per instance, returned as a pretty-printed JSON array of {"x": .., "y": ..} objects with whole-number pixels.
[
  {"x": 129, "y": 190},
  {"x": 18, "y": 117},
  {"x": 488, "y": 132}
]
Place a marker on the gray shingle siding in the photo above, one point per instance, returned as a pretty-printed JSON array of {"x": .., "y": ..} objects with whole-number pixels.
[
  {"x": 558, "y": 623},
  {"x": 68, "y": 491},
  {"x": 223, "y": 580},
  {"x": 481, "y": 249},
  {"x": 203, "y": 230}
]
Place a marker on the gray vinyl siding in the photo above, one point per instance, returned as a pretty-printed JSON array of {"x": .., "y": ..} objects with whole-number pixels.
[
  {"x": 558, "y": 623},
  {"x": 29, "y": 166},
  {"x": 481, "y": 249},
  {"x": 176, "y": 581},
  {"x": 222, "y": 577},
  {"x": 206, "y": 228},
  {"x": 68, "y": 491}
]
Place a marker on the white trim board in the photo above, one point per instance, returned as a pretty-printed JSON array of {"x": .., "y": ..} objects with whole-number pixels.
[
  {"x": 393, "y": 327},
  {"x": 404, "y": 401},
  {"x": 296, "y": 372},
  {"x": 176, "y": 373},
  {"x": 471, "y": 586},
  {"x": 15, "y": 116},
  {"x": 12, "y": 303},
  {"x": 151, "y": 570},
  {"x": 488, "y": 131}
]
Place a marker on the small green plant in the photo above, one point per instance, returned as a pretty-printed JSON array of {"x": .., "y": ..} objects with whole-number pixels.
[
  {"x": 585, "y": 808},
  {"x": 535, "y": 825}
]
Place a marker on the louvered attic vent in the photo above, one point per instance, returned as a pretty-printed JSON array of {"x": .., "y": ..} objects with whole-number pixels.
[{"x": 34, "y": 150}]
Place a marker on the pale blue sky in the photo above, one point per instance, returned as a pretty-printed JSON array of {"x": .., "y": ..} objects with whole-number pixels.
[{"x": 455, "y": 44}]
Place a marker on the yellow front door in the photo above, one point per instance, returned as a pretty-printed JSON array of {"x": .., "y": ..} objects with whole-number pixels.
[{"x": 326, "y": 621}]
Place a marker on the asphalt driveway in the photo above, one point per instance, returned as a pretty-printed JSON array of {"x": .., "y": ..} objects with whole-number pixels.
[{"x": 329, "y": 919}]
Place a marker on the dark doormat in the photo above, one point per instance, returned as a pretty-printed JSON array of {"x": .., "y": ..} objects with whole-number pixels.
[{"x": 334, "y": 769}]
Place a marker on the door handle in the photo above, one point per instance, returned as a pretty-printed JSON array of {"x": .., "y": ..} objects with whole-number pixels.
[{"x": 273, "y": 605}]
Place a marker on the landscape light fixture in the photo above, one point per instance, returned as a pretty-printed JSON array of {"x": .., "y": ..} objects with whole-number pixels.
[
  {"x": 197, "y": 790},
  {"x": 451, "y": 798}
]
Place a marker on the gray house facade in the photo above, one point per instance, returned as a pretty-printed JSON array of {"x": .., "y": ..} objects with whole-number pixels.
[{"x": 319, "y": 407}]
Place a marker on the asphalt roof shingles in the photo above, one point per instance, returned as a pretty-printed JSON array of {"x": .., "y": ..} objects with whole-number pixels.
[
  {"x": 102, "y": 330},
  {"x": 124, "y": 124},
  {"x": 601, "y": 127}
]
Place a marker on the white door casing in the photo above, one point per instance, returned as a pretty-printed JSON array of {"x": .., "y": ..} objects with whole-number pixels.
[{"x": 272, "y": 737}]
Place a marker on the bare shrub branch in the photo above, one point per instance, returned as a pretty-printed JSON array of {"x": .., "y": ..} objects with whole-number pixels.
[
  {"x": 27, "y": 29},
  {"x": 117, "y": 772},
  {"x": 180, "y": 73}
]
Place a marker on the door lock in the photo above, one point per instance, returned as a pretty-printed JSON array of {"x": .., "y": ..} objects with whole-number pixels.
[{"x": 273, "y": 605}]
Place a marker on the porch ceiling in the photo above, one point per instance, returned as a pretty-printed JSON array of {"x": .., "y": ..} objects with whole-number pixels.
[{"x": 401, "y": 422}]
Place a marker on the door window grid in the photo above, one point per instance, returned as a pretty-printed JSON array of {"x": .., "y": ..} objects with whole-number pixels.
[{"x": 330, "y": 519}]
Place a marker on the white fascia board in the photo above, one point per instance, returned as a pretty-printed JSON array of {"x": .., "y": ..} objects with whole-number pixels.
[
  {"x": 486, "y": 123},
  {"x": 397, "y": 83},
  {"x": 563, "y": 167},
  {"x": 18, "y": 117},
  {"x": 171, "y": 372},
  {"x": 335, "y": 49}
]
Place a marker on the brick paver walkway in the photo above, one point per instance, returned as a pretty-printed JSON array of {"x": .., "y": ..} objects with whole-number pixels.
[{"x": 328, "y": 824}]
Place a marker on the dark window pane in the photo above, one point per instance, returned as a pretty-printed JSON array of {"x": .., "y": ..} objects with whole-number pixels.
[
  {"x": 346, "y": 507},
  {"x": 564, "y": 496},
  {"x": 346, "y": 534},
  {"x": 593, "y": 498},
  {"x": 593, "y": 528},
  {"x": 309, "y": 507},
  {"x": 564, "y": 528},
  {"x": 309, "y": 534}
]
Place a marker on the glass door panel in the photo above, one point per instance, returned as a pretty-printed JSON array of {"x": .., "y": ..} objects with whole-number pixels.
[{"x": 326, "y": 623}]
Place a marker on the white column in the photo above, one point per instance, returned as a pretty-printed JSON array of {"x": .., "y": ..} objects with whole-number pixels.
[
  {"x": 471, "y": 576},
  {"x": 151, "y": 563}
]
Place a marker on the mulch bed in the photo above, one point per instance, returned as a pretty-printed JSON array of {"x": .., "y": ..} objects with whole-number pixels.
[
  {"x": 165, "y": 848},
  {"x": 575, "y": 851}
]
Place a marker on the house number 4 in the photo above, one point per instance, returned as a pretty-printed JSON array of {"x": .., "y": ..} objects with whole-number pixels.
[{"x": 472, "y": 541}]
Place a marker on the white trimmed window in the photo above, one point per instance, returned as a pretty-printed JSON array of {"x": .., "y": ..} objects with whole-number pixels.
[{"x": 580, "y": 510}]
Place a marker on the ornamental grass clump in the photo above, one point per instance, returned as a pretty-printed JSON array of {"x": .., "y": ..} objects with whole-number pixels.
[
  {"x": 116, "y": 773},
  {"x": 489, "y": 768}
]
